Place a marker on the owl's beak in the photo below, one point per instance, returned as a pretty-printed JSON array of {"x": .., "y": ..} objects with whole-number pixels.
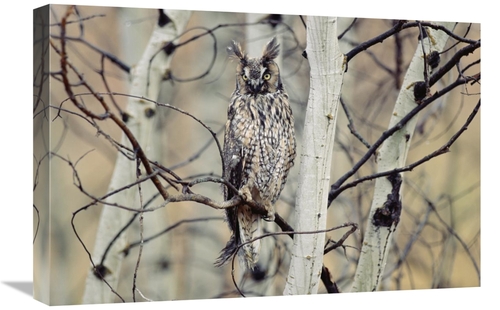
[{"x": 255, "y": 85}]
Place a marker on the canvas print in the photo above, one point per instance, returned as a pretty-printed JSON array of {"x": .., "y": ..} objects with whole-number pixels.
[{"x": 184, "y": 155}]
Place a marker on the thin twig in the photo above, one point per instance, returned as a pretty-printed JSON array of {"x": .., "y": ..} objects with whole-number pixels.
[
  {"x": 454, "y": 234},
  {"x": 351, "y": 126},
  {"x": 37, "y": 222},
  {"x": 131, "y": 245},
  {"x": 141, "y": 233}
]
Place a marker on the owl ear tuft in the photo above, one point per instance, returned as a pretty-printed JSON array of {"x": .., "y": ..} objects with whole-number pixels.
[
  {"x": 271, "y": 50},
  {"x": 235, "y": 51}
]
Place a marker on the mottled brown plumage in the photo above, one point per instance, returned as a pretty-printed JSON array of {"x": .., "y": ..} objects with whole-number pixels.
[{"x": 259, "y": 146}]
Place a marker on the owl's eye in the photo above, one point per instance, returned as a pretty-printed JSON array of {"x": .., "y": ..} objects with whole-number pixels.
[
  {"x": 244, "y": 77},
  {"x": 267, "y": 76}
]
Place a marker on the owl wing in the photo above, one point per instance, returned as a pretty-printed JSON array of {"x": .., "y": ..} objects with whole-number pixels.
[
  {"x": 233, "y": 155},
  {"x": 233, "y": 173}
]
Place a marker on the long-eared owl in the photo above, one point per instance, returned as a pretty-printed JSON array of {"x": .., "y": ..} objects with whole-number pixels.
[{"x": 259, "y": 147}]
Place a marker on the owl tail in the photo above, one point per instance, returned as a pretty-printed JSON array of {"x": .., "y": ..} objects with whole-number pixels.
[{"x": 250, "y": 226}]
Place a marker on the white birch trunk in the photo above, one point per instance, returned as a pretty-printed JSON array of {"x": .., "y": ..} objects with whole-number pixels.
[
  {"x": 327, "y": 70},
  {"x": 141, "y": 124},
  {"x": 393, "y": 154}
]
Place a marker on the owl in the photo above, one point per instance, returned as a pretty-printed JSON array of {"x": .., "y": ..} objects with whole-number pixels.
[{"x": 259, "y": 147}]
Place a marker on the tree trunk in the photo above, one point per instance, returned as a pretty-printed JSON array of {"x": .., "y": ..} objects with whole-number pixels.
[
  {"x": 146, "y": 78},
  {"x": 326, "y": 63},
  {"x": 386, "y": 205}
]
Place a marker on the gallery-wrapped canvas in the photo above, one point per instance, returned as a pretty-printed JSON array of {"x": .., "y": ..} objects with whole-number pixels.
[{"x": 184, "y": 155}]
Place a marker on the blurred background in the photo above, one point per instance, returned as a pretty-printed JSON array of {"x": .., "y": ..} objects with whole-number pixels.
[{"x": 437, "y": 244}]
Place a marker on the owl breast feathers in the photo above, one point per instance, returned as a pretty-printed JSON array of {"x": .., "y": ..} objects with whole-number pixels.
[{"x": 259, "y": 147}]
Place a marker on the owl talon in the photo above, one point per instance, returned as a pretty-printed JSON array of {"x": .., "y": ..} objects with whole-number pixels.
[{"x": 245, "y": 194}]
